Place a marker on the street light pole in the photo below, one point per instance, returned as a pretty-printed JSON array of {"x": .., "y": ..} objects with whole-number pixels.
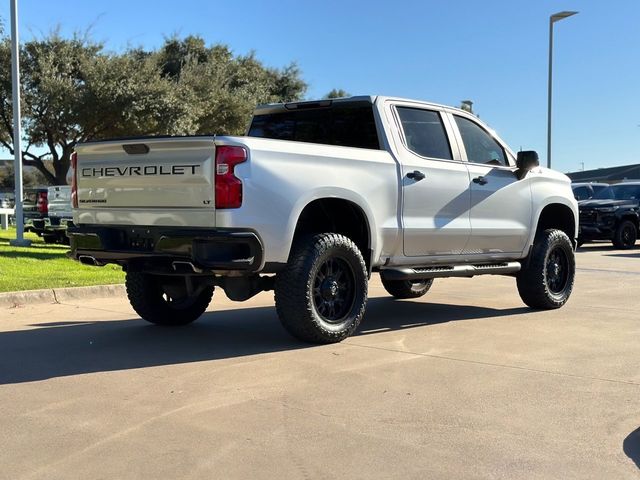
[
  {"x": 17, "y": 134},
  {"x": 552, "y": 19}
]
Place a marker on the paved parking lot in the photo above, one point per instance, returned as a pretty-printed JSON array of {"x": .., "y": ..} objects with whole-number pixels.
[{"x": 464, "y": 383}]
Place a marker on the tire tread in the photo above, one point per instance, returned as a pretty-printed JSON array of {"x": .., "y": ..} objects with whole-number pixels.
[
  {"x": 531, "y": 281},
  {"x": 294, "y": 302},
  {"x": 146, "y": 299}
]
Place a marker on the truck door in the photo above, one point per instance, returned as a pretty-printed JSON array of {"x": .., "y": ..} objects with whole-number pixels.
[
  {"x": 500, "y": 203},
  {"x": 435, "y": 188}
]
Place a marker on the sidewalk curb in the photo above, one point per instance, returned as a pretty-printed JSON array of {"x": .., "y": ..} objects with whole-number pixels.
[{"x": 59, "y": 295}]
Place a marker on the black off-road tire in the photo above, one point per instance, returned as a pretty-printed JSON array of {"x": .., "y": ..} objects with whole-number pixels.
[
  {"x": 401, "y": 289},
  {"x": 626, "y": 235},
  {"x": 322, "y": 293},
  {"x": 547, "y": 279},
  {"x": 152, "y": 303},
  {"x": 50, "y": 239}
]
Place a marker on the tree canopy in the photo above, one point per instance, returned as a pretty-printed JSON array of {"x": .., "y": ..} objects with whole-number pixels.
[
  {"x": 73, "y": 90},
  {"x": 337, "y": 93}
]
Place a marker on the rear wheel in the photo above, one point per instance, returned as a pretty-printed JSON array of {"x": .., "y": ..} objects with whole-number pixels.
[
  {"x": 626, "y": 235},
  {"x": 547, "y": 280},
  {"x": 322, "y": 293},
  {"x": 162, "y": 303},
  {"x": 50, "y": 238},
  {"x": 407, "y": 288}
]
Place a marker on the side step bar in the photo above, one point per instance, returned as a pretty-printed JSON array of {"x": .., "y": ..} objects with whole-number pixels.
[{"x": 419, "y": 273}]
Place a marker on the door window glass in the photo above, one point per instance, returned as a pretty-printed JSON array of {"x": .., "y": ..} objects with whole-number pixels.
[
  {"x": 582, "y": 193},
  {"x": 424, "y": 133},
  {"x": 480, "y": 146}
]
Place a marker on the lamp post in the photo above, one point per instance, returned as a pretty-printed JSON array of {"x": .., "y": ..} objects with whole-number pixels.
[
  {"x": 19, "y": 241},
  {"x": 556, "y": 17}
]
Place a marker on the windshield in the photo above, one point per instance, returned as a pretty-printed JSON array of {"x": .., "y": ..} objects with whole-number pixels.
[{"x": 619, "y": 192}]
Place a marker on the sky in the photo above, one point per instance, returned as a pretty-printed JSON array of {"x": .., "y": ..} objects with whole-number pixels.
[{"x": 493, "y": 52}]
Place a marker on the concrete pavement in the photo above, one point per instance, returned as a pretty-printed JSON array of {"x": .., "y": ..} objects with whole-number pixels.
[{"x": 465, "y": 382}]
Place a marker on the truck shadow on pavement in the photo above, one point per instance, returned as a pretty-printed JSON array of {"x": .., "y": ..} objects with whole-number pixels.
[
  {"x": 59, "y": 349},
  {"x": 631, "y": 446},
  {"x": 607, "y": 247},
  {"x": 625, "y": 255}
]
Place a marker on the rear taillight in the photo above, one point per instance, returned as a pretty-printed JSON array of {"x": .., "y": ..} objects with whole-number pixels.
[
  {"x": 74, "y": 180},
  {"x": 43, "y": 205},
  {"x": 228, "y": 186}
]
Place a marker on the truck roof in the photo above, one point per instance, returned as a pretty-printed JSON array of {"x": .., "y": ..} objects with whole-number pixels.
[{"x": 327, "y": 102}]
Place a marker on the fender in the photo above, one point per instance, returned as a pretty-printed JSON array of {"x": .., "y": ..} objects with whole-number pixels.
[{"x": 339, "y": 194}]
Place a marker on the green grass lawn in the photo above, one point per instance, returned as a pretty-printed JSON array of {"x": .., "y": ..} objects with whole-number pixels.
[{"x": 47, "y": 266}]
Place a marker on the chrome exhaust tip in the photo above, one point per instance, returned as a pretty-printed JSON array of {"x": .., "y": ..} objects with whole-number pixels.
[{"x": 88, "y": 260}]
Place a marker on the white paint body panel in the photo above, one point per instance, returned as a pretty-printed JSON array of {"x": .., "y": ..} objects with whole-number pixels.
[
  {"x": 500, "y": 211},
  {"x": 282, "y": 177},
  {"x": 170, "y": 185}
]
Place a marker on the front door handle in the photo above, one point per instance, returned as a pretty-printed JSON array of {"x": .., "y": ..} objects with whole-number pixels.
[
  {"x": 480, "y": 180},
  {"x": 416, "y": 175}
]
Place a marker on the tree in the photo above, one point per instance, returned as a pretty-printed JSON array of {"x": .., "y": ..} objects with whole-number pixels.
[
  {"x": 74, "y": 91},
  {"x": 337, "y": 93},
  {"x": 29, "y": 178},
  {"x": 223, "y": 89}
]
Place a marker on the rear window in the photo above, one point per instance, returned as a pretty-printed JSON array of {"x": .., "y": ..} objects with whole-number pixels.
[
  {"x": 344, "y": 125},
  {"x": 424, "y": 133}
]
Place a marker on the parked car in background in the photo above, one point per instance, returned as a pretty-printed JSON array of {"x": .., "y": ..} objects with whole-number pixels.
[
  {"x": 35, "y": 203},
  {"x": 53, "y": 228},
  {"x": 7, "y": 200},
  {"x": 59, "y": 198},
  {"x": 612, "y": 214},
  {"x": 586, "y": 190}
]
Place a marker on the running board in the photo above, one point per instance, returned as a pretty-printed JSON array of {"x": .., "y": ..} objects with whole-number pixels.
[{"x": 418, "y": 273}]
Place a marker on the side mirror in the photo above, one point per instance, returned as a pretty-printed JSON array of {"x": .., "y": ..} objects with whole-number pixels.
[{"x": 526, "y": 161}]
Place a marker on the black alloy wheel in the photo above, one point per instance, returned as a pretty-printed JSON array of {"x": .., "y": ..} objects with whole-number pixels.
[
  {"x": 547, "y": 276},
  {"x": 626, "y": 235},
  {"x": 333, "y": 289},
  {"x": 402, "y": 289},
  {"x": 557, "y": 270},
  {"x": 322, "y": 293}
]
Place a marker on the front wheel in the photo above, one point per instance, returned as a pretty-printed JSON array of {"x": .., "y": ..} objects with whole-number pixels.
[
  {"x": 163, "y": 301},
  {"x": 401, "y": 289},
  {"x": 322, "y": 293},
  {"x": 626, "y": 235},
  {"x": 547, "y": 280}
]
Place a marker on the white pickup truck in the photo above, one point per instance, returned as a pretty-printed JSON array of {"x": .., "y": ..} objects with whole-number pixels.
[{"x": 316, "y": 197}]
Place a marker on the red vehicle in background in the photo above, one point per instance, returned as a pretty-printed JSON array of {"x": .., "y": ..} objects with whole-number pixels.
[{"x": 35, "y": 203}]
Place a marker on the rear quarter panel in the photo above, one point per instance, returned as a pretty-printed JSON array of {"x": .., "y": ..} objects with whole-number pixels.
[{"x": 282, "y": 177}]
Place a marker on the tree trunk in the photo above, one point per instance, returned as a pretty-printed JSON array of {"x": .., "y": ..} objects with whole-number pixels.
[{"x": 61, "y": 168}]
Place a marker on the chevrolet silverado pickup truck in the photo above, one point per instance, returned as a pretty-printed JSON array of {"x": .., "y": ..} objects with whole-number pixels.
[{"x": 315, "y": 198}]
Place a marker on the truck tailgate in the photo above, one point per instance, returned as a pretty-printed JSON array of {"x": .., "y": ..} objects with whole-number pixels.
[{"x": 148, "y": 173}]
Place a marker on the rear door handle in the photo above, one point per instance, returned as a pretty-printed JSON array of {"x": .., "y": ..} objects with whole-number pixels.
[
  {"x": 480, "y": 180},
  {"x": 416, "y": 175}
]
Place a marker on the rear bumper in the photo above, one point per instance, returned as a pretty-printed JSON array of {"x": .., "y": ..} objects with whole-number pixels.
[{"x": 166, "y": 248}]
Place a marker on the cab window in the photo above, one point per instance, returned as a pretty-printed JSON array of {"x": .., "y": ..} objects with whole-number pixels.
[
  {"x": 424, "y": 133},
  {"x": 582, "y": 193},
  {"x": 480, "y": 146}
]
